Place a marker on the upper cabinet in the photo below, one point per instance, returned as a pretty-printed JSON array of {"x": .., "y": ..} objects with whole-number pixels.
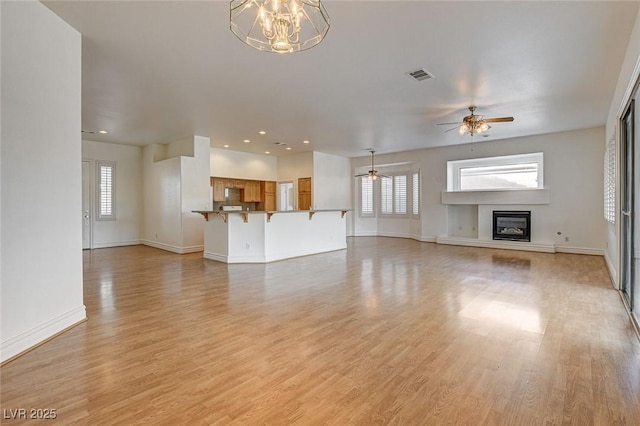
[
  {"x": 270, "y": 187},
  {"x": 251, "y": 192},
  {"x": 304, "y": 193},
  {"x": 268, "y": 195},
  {"x": 218, "y": 189}
]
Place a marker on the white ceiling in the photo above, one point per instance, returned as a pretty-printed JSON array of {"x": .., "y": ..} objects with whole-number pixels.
[{"x": 161, "y": 71}]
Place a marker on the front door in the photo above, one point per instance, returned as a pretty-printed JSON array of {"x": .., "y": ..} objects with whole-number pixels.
[{"x": 86, "y": 204}]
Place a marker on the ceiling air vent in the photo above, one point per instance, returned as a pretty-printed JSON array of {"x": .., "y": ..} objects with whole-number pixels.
[{"x": 419, "y": 75}]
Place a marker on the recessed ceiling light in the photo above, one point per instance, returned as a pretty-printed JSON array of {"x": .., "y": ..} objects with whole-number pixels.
[
  {"x": 103, "y": 132},
  {"x": 305, "y": 141},
  {"x": 267, "y": 152},
  {"x": 226, "y": 146},
  {"x": 246, "y": 141},
  {"x": 288, "y": 148},
  {"x": 262, "y": 132}
]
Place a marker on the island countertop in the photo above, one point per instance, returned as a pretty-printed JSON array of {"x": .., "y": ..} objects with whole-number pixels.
[
  {"x": 269, "y": 213},
  {"x": 255, "y": 236}
]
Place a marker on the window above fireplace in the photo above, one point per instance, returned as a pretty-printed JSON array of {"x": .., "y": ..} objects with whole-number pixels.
[{"x": 505, "y": 173}]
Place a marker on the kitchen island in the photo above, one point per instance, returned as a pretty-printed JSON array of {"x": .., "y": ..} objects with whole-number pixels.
[{"x": 267, "y": 236}]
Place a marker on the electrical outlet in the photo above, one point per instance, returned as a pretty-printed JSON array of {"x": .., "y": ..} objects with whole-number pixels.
[
  {"x": 248, "y": 245},
  {"x": 566, "y": 239}
]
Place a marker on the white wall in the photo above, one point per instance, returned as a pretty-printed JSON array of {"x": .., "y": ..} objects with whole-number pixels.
[
  {"x": 292, "y": 167},
  {"x": 573, "y": 175},
  {"x": 243, "y": 165},
  {"x": 41, "y": 282},
  {"x": 331, "y": 182},
  {"x": 127, "y": 227},
  {"x": 626, "y": 81},
  {"x": 195, "y": 184},
  {"x": 175, "y": 184},
  {"x": 162, "y": 205}
]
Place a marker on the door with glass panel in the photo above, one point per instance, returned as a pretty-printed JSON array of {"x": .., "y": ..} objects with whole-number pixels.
[
  {"x": 627, "y": 226},
  {"x": 635, "y": 224}
]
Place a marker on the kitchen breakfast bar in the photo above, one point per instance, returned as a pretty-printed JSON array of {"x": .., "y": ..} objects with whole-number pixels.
[{"x": 267, "y": 236}]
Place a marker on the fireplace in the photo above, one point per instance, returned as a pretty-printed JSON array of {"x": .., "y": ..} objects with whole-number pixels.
[{"x": 512, "y": 225}]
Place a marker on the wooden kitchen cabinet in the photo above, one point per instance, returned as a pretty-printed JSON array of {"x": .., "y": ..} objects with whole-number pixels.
[
  {"x": 304, "y": 193},
  {"x": 269, "y": 187},
  {"x": 218, "y": 189},
  {"x": 268, "y": 195},
  {"x": 251, "y": 192},
  {"x": 234, "y": 183}
]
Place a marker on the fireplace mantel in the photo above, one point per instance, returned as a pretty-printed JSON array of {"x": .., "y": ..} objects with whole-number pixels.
[{"x": 521, "y": 196}]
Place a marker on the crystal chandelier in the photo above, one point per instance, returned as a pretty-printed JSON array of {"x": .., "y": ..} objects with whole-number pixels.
[{"x": 280, "y": 26}]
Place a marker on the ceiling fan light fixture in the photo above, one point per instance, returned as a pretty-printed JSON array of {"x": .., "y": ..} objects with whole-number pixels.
[
  {"x": 280, "y": 26},
  {"x": 475, "y": 124}
]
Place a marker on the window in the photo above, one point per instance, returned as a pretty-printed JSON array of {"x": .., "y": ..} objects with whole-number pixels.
[
  {"x": 400, "y": 194},
  {"x": 415, "y": 199},
  {"x": 393, "y": 195},
  {"x": 366, "y": 196},
  {"x": 511, "y": 172},
  {"x": 106, "y": 190},
  {"x": 386, "y": 195},
  {"x": 610, "y": 181}
]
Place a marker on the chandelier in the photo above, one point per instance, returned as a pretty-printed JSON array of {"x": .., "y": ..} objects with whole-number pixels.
[{"x": 280, "y": 26}]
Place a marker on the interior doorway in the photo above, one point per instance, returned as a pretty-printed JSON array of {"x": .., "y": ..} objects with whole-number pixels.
[
  {"x": 285, "y": 196},
  {"x": 87, "y": 211}
]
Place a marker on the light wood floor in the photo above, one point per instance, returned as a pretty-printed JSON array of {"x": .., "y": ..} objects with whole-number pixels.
[{"x": 389, "y": 331}]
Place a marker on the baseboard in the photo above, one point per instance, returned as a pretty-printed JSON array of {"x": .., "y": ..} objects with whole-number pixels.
[
  {"x": 424, "y": 239},
  {"x": 580, "y": 250},
  {"x": 23, "y": 342},
  {"x": 613, "y": 273},
  {"x": 214, "y": 256},
  {"x": 497, "y": 244},
  {"x": 509, "y": 245},
  {"x": 172, "y": 248},
  {"x": 192, "y": 249},
  {"x": 116, "y": 244},
  {"x": 397, "y": 235}
]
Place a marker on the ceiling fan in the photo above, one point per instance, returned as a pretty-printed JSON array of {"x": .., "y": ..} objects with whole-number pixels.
[
  {"x": 373, "y": 173},
  {"x": 475, "y": 124}
]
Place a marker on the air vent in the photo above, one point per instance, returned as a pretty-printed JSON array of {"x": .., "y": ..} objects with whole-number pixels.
[
  {"x": 280, "y": 143},
  {"x": 420, "y": 75}
]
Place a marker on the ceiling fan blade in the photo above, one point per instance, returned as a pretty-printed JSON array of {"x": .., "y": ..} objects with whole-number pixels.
[
  {"x": 443, "y": 124},
  {"x": 498, "y": 120},
  {"x": 453, "y": 128},
  {"x": 362, "y": 174}
]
